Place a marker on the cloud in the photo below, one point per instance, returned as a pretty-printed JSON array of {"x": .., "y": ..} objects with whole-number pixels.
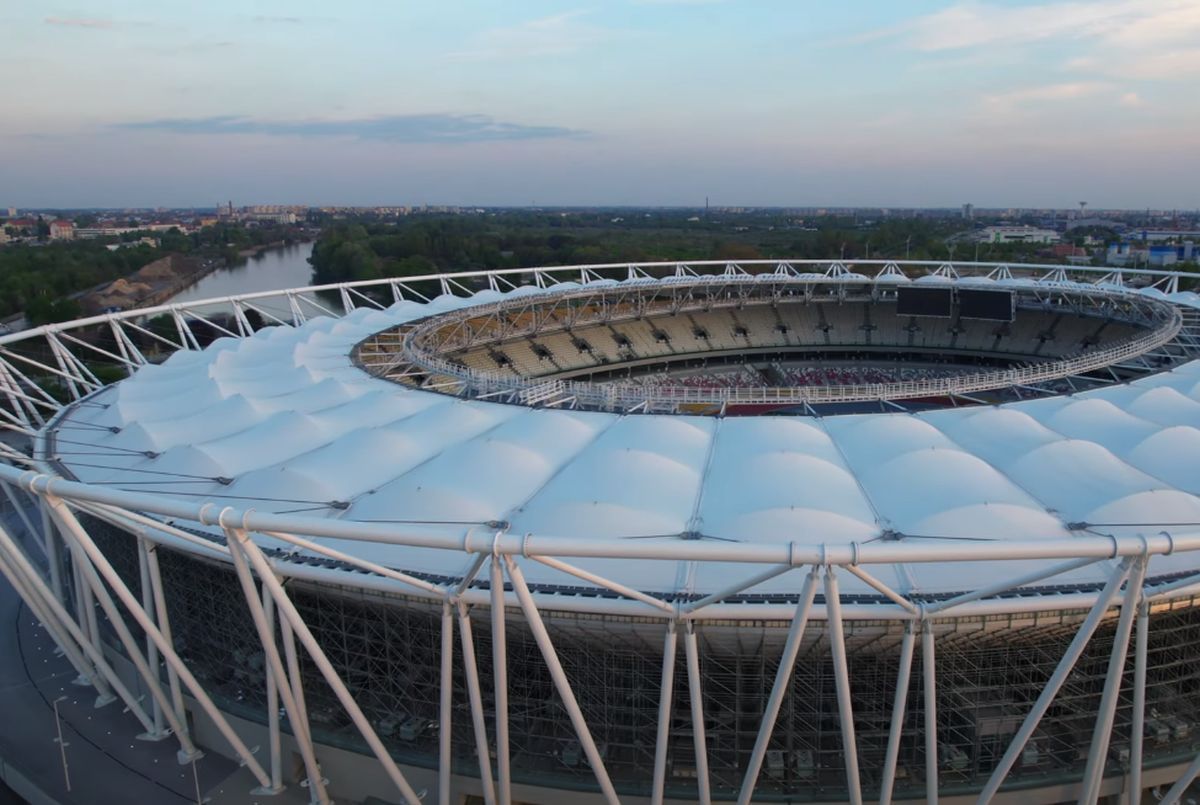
[
  {"x": 79, "y": 22},
  {"x": 1116, "y": 22},
  {"x": 556, "y": 35},
  {"x": 427, "y": 128},
  {"x": 1048, "y": 93},
  {"x": 284, "y": 20},
  {"x": 1159, "y": 65},
  {"x": 1138, "y": 39}
]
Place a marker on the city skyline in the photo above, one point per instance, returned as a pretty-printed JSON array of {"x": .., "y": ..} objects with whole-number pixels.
[{"x": 636, "y": 103}]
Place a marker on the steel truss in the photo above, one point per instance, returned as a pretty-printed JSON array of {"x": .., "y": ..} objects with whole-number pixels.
[
  {"x": 424, "y": 353},
  {"x": 583, "y": 697},
  {"x": 815, "y": 696},
  {"x": 46, "y": 366}
]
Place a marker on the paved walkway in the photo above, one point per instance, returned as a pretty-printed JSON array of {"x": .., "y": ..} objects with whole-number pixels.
[{"x": 105, "y": 762}]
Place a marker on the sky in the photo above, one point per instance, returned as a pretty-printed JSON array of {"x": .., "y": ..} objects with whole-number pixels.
[{"x": 621, "y": 102}]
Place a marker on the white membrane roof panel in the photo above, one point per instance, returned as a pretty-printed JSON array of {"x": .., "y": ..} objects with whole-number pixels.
[
  {"x": 284, "y": 421},
  {"x": 791, "y": 481}
]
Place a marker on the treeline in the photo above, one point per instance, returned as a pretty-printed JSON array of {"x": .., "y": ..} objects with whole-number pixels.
[
  {"x": 225, "y": 240},
  {"x": 368, "y": 250},
  {"x": 40, "y": 279}
]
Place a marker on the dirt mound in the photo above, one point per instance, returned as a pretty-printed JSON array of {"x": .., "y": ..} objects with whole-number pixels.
[{"x": 159, "y": 270}]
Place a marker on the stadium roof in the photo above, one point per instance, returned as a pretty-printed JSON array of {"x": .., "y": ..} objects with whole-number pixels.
[{"x": 285, "y": 422}]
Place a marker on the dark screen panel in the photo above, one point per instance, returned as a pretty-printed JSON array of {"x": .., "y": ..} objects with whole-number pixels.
[
  {"x": 923, "y": 302},
  {"x": 991, "y": 305}
]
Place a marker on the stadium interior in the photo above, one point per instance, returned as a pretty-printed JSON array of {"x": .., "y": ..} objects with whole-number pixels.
[{"x": 709, "y": 339}]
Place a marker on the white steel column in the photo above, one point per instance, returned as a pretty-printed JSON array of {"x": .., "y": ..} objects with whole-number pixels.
[
  {"x": 235, "y": 538},
  {"x": 38, "y": 609},
  {"x": 561, "y": 683},
  {"x": 164, "y": 623},
  {"x": 87, "y": 571},
  {"x": 475, "y": 699},
  {"x": 888, "y": 781},
  {"x": 1138, "y": 716},
  {"x": 841, "y": 676},
  {"x": 691, "y": 655},
  {"x": 1102, "y": 732},
  {"x": 783, "y": 677},
  {"x": 38, "y": 535},
  {"x": 53, "y": 555},
  {"x": 84, "y": 542},
  {"x": 609, "y": 584},
  {"x": 288, "y": 610},
  {"x": 151, "y": 650},
  {"x": 273, "y": 738},
  {"x": 10, "y": 386},
  {"x": 500, "y": 681},
  {"x": 736, "y": 588},
  {"x": 92, "y": 667},
  {"x": 445, "y": 705},
  {"x": 1010, "y": 584},
  {"x": 1070, "y": 657},
  {"x": 301, "y": 727},
  {"x": 666, "y": 690},
  {"x": 85, "y": 606},
  {"x": 1175, "y": 793},
  {"x": 929, "y": 688}
]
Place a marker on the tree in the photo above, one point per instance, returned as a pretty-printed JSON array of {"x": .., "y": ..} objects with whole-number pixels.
[
  {"x": 44, "y": 310},
  {"x": 723, "y": 250},
  {"x": 412, "y": 267}
]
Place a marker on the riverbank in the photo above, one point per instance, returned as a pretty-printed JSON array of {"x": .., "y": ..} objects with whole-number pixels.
[
  {"x": 254, "y": 251},
  {"x": 175, "y": 275},
  {"x": 150, "y": 285},
  {"x": 282, "y": 266}
]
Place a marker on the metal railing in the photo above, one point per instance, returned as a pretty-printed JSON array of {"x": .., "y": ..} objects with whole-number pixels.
[
  {"x": 624, "y": 396},
  {"x": 419, "y": 347}
]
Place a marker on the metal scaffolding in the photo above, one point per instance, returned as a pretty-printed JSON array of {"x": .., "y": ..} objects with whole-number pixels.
[{"x": 1009, "y": 699}]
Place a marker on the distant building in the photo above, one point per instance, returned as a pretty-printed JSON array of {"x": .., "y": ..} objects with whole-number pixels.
[
  {"x": 116, "y": 231},
  {"x": 1122, "y": 254},
  {"x": 968, "y": 211},
  {"x": 12, "y": 212},
  {"x": 1165, "y": 234},
  {"x": 1067, "y": 250},
  {"x": 1170, "y": 254},
  {"x": 1018, "y": 234},
  {"x": 261, "y": 213},
  {"x": 132, "y": 244},
  {"x": 61, "y": 229},
  {"x": 1102, "y": 223},
  {"x": 272, "y": 217}
]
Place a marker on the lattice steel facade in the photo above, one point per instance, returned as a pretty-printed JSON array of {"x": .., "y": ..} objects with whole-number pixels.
[{"x": 990, "y": 670}]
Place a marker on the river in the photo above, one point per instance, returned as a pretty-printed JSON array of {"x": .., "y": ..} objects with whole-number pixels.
[{"x": 269, "y": 270}]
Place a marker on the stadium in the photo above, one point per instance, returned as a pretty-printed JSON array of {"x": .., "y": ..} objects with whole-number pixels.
[{"x": 658, "y": 533}]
